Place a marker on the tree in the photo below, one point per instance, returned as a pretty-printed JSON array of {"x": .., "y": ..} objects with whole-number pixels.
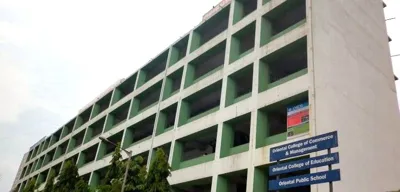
[
  {"x": 136, "y": 179},
  {"x": 112, "y": 182},
  {"x": 68, "y": 178},
  {"x": 159, "y": 171},
  {"x": 114, "y": 186},
  {"x": 81, "y": 186},
  {"x": 31, "y": 186},
  {"x": 50, "y": 182},
  {"x": 115, "y": 169}
]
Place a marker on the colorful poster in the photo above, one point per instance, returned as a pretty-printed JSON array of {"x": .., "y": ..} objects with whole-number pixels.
[{"x": 297, "y": 120}]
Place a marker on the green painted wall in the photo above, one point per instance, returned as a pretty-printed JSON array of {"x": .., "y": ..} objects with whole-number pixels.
[
  {"x": 142, "y": 78},
  {"x": 161, "y": 124},
  {"x": 57, "y": 154},
  {"x": 34, "y": 153},
  {"x": 47, "y": 159},
  {"x": 128, "y": 139},
  {"x": 237, "y": 12},
  {"x": 235, "y": 49},
  {"x": 31, "y": 167},
  {"x": 101, "y": 151},
  {"x": 40, "y": 164},
  {"x": 184, "y": 113},
  {"x": 196, "y": 41},
  {"x": 196, "y": 161},
  {"x": 30, "y": 155},
  {"x": 260, "y": 180},
  {"x": 167, "y": 88},
  {"x": 174, "y": 57},
  {"x": 266, "y": 1},
  {"x": 226, "y": 139},
  {"x": 94, "y": 180},
  {"x": 71, "y": 144},
  {"x": 88, "y": 135},
  {"x": 81, "y": 160},
  {"x": 36, "y": 165},
  {"x": 109, "y": 123},
  {"x": 222, "y": 184},
  {"x": 190, "y": 70},
  {"x": 44, "y": 145},
  {"x": 79, "y": 122},
  {"x": 262, "y": 129},
  {"x": 263, "y": 76},
  {"x": 230, "y": 91},
  {"x": 117, "y": 95},
  {"x": 134, "y": 108},
  {"x": 41, "y": 146},
  {"x": 177, "y": 155},
  {"x": 95, "y": 111},
  {"x": 266, "y": 31}
]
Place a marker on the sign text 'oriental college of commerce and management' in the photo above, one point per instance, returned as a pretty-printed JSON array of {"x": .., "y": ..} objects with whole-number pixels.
[{"x": 299, "y": 148}]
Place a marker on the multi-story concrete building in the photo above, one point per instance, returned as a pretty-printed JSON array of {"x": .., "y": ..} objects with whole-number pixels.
[{"x": 216, "y": 100}]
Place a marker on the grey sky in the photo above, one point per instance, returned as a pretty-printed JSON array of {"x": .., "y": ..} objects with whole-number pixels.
[{"x": 56, "y": 56}]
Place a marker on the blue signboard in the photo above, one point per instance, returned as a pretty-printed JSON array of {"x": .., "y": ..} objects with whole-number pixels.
[
  {"x": 313, "y": 144},
  {"x": 303, "y": 164},
  {"x": 304, "y": 180}
]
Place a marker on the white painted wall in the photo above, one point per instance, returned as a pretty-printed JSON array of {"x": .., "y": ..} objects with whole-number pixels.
[{"x": 355, "y": 92}]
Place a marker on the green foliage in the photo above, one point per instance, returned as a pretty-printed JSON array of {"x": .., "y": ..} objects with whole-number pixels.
[
  {"x": 50, "y": 182},
  {"x": 115, "y": 169},
  {"x": 159, "y": 171},
  {"x": 68, "y": 178},
  {"x": 81, "y": 186},
  {"x": 113, "y": 179},
  {"x": 114, "y": 186},
  {"x": 136, "y": 179},
  {"x": 31, "y": 186}
]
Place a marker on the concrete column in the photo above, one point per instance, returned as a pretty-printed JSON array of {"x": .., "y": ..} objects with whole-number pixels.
[
  {"x": 223, "y": 95},
  {"x": 160, "y": 98},
  {"x": 174, "y": 145},
  {"x": 251, "y": 185}
]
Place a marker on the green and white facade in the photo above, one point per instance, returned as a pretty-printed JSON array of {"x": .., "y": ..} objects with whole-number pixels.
[{"x": 216, "y": 100}]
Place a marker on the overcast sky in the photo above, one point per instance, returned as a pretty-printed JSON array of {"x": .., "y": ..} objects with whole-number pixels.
[{"x": 55, "y": 57}]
